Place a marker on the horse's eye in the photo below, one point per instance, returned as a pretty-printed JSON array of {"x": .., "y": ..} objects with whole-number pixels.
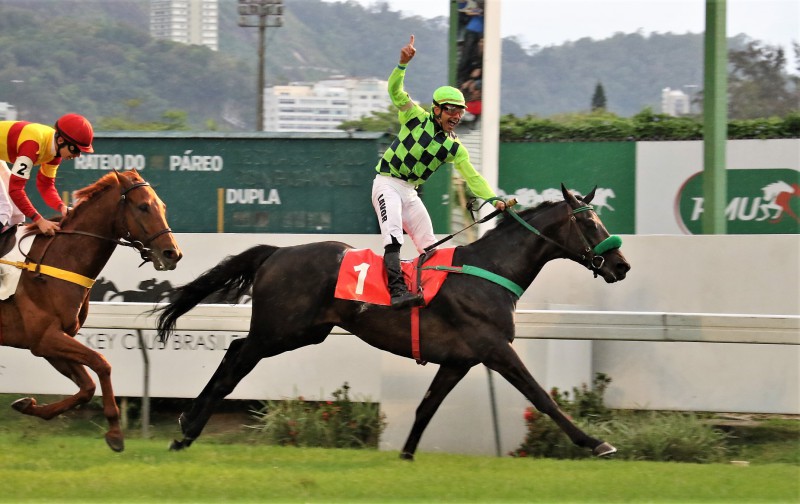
[{"x": 144, "y": 207}]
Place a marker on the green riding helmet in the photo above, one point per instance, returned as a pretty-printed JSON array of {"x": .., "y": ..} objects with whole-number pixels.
[{"x": 448, "y": 95}]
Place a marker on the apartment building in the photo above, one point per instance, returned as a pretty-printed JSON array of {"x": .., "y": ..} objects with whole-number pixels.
[
  {"x": 186, "y": 21},
  {"x": 324, "y": 105}
]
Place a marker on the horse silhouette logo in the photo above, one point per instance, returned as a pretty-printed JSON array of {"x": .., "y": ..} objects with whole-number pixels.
[
  {"x": 777, "y": 198},
  {"x": 149, "y": 291},
  {"x": 528, "y": 197}
]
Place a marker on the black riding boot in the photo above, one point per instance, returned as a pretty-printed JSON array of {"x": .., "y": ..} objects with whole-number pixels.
[{"x": 401, "y": 297}]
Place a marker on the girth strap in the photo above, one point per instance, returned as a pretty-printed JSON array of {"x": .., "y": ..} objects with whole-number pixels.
[
  {"x": 482, "y": 273},
  {"x": 52, "y": 271}
]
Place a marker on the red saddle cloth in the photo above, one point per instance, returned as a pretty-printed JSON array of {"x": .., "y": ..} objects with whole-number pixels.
[{"x": 362, "y": 276}]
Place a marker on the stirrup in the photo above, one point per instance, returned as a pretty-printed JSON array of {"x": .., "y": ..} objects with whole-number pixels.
[{"x": 407, "y": 300}]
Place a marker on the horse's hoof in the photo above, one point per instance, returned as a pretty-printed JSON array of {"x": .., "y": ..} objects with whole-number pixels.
[
  {"x": 23, "y": 404},
  {"x": 407, "y": 456},
  {"x": 115, "y": 441},
  {"x": 604, "y": 450}
]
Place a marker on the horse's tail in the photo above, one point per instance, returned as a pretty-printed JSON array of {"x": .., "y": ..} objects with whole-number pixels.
[{"x": 230, "y": 278}]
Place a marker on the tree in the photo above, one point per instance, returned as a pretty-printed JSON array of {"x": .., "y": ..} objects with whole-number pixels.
[
  {"x": 599, "y": 97},
  {"x": 383, "y": 121},
  {"x": 758, "y": 85},
  {"x": 171, "y": 120}
]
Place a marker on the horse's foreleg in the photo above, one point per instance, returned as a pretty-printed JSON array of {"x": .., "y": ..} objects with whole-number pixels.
[
  {"x": 446, "y": 378},
  {"x": 74, "y": 372},
  {"x": 58, "y": 345},
  {"x": 506, "y": 362}
]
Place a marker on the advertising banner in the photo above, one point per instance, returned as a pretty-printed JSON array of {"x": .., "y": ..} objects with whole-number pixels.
[
  {"x": 534, "y": 172},
  {"x": 763, "y": 181}
]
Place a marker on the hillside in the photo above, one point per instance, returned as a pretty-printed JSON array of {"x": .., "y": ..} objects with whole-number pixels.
[{"x": 96, "y": 57}]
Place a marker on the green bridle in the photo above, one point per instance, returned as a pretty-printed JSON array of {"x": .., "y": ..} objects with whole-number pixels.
[{"x": 590, "y": 255}]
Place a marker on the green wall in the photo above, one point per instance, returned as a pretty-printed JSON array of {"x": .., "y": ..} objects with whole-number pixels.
[
  {"x": 322, "y": 183},
  {"x": 269, "y": 183},
  {"x": 535, "y": 170}
]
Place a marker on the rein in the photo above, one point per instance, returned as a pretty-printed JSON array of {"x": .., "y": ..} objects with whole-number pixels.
[
  {"x": 591, "y": 257},
  {"x": 492, "y": 215},
  {"x": 76, "y": 278}
]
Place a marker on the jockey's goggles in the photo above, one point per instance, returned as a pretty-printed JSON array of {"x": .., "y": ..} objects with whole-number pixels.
[
  {"x": 453, "y": 109},
  {"x": 73, "y": 149}
]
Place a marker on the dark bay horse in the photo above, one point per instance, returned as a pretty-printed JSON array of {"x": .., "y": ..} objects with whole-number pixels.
[
  {"x": 52, "y": 299},
  {"x": 469, "y": 322}
]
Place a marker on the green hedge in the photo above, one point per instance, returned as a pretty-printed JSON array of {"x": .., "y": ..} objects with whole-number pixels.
[{"x": 601, "y": 126}]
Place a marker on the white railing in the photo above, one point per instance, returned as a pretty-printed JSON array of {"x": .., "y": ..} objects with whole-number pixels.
[{"x": 530, "y": 324}]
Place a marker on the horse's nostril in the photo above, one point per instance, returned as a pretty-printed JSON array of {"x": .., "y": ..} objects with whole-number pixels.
[{"x": 173, "y": 255}]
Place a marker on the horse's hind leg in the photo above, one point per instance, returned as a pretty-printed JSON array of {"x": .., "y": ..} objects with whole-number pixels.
[
  {"x": 239, "y": 360},
  {"x": 75, "y": 372},
  {"x": 193, "y": 421},
  {"x": 444, "y": 381},
  {"x": 506, "y": 362}
]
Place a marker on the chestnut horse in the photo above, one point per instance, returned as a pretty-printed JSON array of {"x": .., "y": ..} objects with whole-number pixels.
[
  {"x": 52, "y": 299},
  {"x": 470, "y": 321}
]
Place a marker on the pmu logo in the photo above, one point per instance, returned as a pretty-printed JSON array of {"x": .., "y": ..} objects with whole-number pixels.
[{"x": 760, "y": 201}]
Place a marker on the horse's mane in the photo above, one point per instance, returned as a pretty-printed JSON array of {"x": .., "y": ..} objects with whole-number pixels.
[
  {"x": 87, "y": 192},
  {"x": 106, "y": 181},
  {"x": 526, "y": 215}
]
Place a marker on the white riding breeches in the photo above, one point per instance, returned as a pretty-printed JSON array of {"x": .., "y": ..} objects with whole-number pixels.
[
  {"x": 9, "y": 213},
  {"x": 399, "y": 208}
]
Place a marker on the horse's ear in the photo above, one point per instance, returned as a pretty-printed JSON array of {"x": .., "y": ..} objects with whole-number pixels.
[
  {"x": 589, "y": 197},
  {"x": 124, "y": 182},
  {"x": 568, "y": 197}
]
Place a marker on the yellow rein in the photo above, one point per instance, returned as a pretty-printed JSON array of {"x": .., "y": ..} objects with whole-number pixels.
[{"x": 59, "y": 273}]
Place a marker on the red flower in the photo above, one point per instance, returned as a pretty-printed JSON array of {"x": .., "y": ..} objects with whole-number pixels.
[{"x": 530, "y": 414}]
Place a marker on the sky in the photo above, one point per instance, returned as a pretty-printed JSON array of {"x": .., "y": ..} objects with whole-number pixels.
[{"x": 553, "y": 22}]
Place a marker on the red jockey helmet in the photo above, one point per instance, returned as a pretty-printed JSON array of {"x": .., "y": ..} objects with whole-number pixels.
[{"x": 77, "y": 130}]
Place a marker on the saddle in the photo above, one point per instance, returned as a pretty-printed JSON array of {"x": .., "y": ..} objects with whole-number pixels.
[
  {"x": 9, "y": 275},
  {"x": 8, "y": 238}
]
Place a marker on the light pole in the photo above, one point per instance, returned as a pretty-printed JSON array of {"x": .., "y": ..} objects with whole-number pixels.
[{"x": 256, "y": 14}]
